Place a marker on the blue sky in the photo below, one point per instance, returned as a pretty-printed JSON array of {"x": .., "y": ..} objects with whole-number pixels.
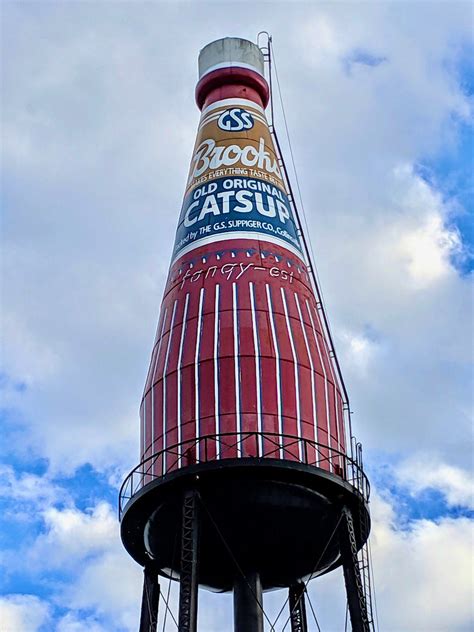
[
  {"x": 99, "y": 120},
  {"x": 451, "y": 172},
  {"x": 451, "y": 168}
]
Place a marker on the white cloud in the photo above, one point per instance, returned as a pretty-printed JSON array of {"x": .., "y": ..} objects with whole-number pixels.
[
  {"x": 25, "y": 613},
  {"x": 409, "y": 378},
  {"x": 87, "y": 568},
  {"x": 423, "y": 472},
  {"x": 75, "y": 623},
  {"x": 427, "y": 250},
  {"x": 24, "y": 498},
  {"x": 29, "y": 488},
  {"x": 111, "y": 586},
  {"x": 72, "y": 536},
  {"x": 360, "y": 352},
  {"x": 424, "y": 574},
  {"x": 427, "y": 247}
]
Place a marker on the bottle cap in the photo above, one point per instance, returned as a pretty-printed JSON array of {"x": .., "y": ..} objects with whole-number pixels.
[{"x": 230, "y": 52}]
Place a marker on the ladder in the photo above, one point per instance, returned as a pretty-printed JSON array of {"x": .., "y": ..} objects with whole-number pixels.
[{"x": 363, "y": 556}]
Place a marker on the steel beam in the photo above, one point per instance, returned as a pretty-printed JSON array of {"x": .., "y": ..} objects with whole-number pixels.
[
  {"x": 150, "y": 599},
  {"x": 248, "y": 605},
  {"x": 188, "y": 590},
  {"x": 299, "y": 622},
  {"x": 352, "y": 575}
]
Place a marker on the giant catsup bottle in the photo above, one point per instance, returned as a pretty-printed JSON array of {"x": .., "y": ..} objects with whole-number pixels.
[{"x": 240, "y": 364}]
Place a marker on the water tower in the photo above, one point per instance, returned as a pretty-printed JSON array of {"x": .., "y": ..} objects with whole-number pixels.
[{"x": 249, "y": 479}]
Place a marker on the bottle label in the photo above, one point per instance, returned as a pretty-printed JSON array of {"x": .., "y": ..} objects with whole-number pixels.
[{"x": 235, "y": 187}]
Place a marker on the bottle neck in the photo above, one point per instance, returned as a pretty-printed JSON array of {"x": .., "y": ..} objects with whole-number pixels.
[{"x": 232, "y": 83}]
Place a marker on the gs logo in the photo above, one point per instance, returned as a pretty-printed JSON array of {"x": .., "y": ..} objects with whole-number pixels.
[{"x": 235, "y": 120}]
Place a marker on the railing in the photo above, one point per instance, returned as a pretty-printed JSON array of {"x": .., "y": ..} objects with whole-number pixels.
[{"x": 209, "y": 448}]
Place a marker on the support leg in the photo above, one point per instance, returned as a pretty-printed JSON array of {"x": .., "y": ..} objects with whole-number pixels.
[
  {"x": 352, "y": 576},
  {"x": 188, "y": 591},
  {"x": 150, "y": 599},
  {"x": 248, "y": 612},
  {"x": 299, "y": 622}
]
